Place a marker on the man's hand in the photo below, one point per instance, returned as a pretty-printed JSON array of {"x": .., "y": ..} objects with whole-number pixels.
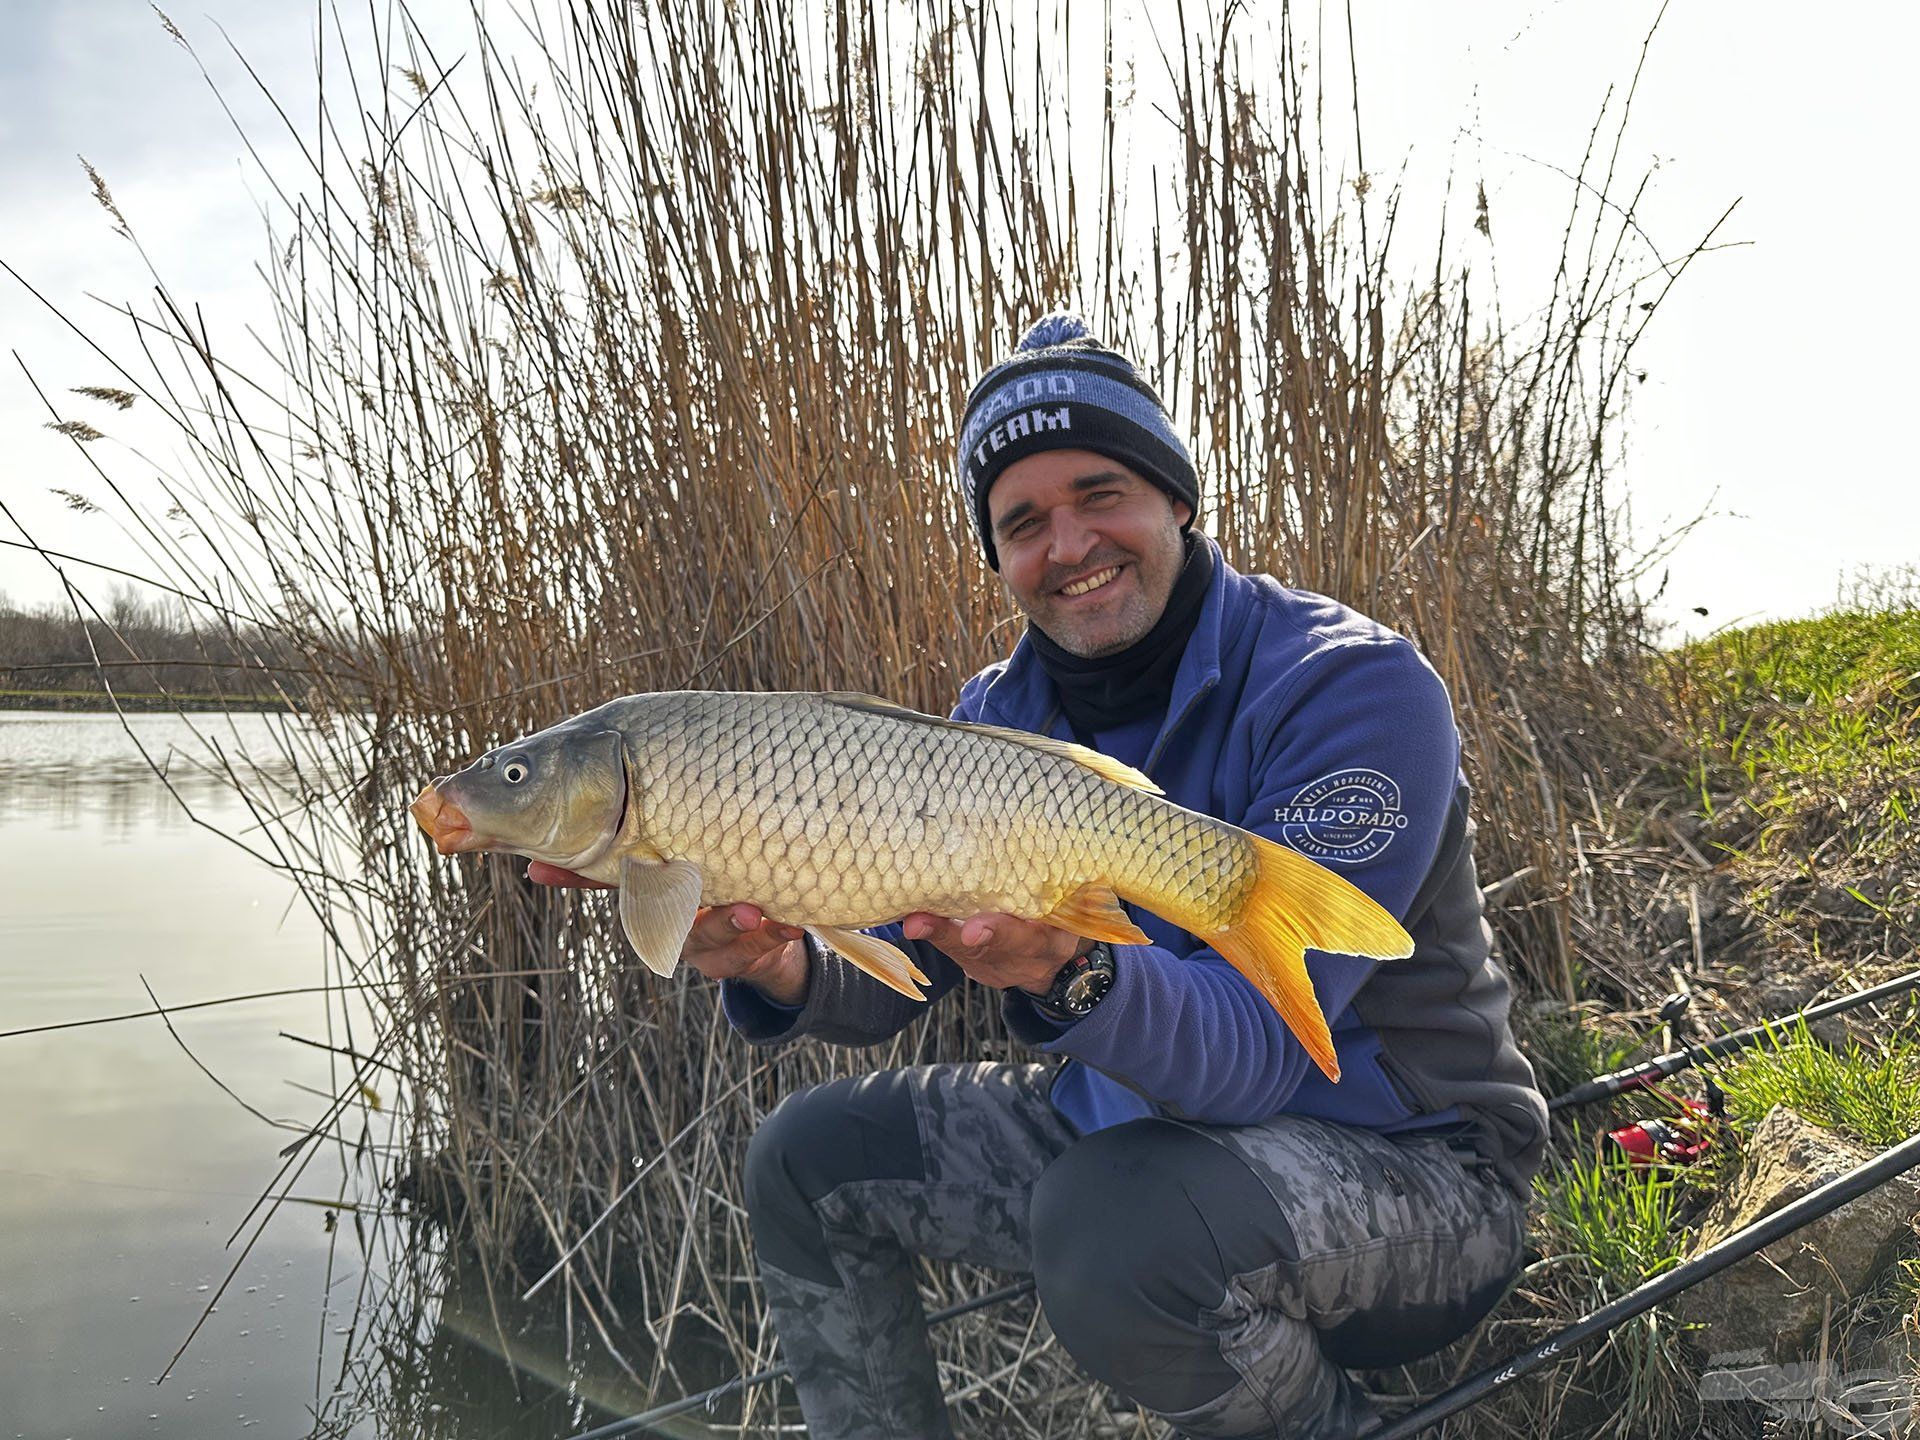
[
  {"x": 727, "y": 942},
  {"x": 541, "y": 873},
  {"x": 1001, "y": 951}
]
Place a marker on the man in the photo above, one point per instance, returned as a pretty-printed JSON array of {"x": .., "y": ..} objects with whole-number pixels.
[{"x": 1214, "y": 1229}]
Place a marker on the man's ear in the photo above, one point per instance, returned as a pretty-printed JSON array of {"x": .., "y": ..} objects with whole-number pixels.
[{"x": 1182, "y": 512}]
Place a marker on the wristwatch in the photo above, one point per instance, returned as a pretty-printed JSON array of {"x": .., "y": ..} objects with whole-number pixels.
[{"x": 1081, "y": 983}]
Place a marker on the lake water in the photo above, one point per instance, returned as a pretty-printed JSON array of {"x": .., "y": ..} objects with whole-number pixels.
[{"x": 124, "y": 1168}]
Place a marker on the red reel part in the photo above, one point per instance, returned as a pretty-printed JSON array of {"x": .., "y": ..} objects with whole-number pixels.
[{"x": 1681, "y": 1140}]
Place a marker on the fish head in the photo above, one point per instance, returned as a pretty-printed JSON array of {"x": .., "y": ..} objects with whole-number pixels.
[{"x": 559, "y": 796}]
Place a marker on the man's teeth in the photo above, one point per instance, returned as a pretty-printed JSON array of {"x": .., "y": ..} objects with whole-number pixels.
[{"x": 1092, "y": 582}]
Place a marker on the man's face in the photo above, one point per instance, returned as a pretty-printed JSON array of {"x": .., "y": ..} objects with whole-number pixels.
[{"x": 1064, "y": 518}]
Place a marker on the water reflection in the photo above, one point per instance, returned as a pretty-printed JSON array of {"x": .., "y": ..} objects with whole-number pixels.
[
  {"x": 441, "y": 1359},
  {"x": 123, "y": 1167},
  {"x": 64, "y": 770}
]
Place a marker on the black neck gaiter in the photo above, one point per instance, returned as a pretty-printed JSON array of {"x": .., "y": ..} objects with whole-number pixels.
[{"x": 1103, "y": 691}]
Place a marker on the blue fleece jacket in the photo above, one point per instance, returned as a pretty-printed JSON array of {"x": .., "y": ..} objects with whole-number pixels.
[{"x": 1297, "y": 718}]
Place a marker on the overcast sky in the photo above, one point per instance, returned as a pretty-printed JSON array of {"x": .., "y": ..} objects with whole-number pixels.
[{"x": 1778, "y": 371}]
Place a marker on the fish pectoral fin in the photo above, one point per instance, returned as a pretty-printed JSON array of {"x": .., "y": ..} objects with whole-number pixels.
[
  {"x": 1094, "y": 911},
  {"x": 885, "y": 962},
  {"x": 657, "y": 904}
]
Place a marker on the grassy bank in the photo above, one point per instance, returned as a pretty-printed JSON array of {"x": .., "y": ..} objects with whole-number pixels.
[
  {"x": 1780, "y": 811},
  {"x": 98, "y": 702}
]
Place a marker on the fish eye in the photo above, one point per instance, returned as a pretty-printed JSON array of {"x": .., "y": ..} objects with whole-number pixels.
[{"x": 514, "y": 771}]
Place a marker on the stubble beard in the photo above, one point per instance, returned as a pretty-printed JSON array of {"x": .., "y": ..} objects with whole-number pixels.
[{"x": 1139, "y": 613}]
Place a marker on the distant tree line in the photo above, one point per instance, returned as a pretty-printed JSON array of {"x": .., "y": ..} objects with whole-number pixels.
[{"x": 146, "y": 650}]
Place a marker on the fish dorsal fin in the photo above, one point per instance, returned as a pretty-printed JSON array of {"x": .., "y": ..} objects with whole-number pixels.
[{"x": 1105, "y": 766}]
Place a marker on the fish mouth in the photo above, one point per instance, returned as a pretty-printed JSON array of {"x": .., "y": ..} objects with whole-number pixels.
[{"x": 445, "y": 822}]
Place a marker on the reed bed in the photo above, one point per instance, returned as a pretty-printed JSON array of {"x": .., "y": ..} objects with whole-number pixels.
[{"x": 625, "y": 352}]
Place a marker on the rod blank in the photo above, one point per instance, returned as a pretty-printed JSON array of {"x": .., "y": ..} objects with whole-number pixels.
[
  {"x": 1809, "y": 1207},
  {"x": 1618, "y": 1082}
]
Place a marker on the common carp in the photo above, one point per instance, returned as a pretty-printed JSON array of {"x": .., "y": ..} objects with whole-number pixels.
[{"x": 837, "y": 812}]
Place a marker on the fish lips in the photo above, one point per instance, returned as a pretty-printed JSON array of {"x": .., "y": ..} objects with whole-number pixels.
[{"x": 445, "y": 822}]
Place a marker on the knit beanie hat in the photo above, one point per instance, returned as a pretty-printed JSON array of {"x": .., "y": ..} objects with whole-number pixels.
[{"x": 1061, "y": 389}]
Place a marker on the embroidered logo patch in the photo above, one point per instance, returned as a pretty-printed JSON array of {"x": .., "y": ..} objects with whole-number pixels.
[{"x": 1346, "y": 818}]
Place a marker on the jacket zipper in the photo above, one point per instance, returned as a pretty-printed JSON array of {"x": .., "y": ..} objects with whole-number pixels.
[{"x": 1168, "y": 732}]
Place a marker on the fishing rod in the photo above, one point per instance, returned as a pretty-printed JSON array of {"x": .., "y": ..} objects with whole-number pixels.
[
  {"x": 1602, "y": 1087},
  {"x": 763, "y": 1377},
  {"x": 1647, "y": 1072},
  {"x": 1826, "y": 1198}
]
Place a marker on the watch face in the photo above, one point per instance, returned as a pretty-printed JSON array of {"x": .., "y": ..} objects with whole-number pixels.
[
  {"x": 1085, "y": 989},
  {"x": 1081, "y": 982}
]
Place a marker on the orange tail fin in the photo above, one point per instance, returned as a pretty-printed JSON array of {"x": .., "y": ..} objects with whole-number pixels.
[{"x": 1297, "y": 905}]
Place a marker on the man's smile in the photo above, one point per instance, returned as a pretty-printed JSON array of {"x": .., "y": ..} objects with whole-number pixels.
[{"x": 1090, "y": 584}]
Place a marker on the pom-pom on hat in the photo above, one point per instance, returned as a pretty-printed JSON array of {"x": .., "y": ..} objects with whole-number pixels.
[{"x": 1061, "y": 389}]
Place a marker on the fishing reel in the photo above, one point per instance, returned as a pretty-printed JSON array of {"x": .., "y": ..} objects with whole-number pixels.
[
  {"x": 1680, "y": 1139},
  {"x": 1684, "y": 1137}
]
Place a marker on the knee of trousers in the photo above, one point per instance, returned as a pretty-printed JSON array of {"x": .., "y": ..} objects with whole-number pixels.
[
  {"x": 1131, "y": 1227},
  {"x": 815, "y": 1141}
]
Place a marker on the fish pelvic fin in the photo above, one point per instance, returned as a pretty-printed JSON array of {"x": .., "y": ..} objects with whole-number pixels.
[
  {"x": 885, "y": 962},
  {"x": 657, "y": 905},
  {"x": 1093, "y": 910},
  {"x": 1105, "y": 766},
  {"x": 1297, "y": 905}
]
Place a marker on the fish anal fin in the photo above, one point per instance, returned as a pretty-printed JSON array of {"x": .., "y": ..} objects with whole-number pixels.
[
  {"x": 887, "y": 963},
  {"x": 1093, "y": 910},
  {"x": 657, "y": 905}
]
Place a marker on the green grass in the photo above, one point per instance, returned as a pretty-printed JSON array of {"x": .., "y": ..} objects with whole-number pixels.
[
  {"x": 1803, "y": 661},
  {"x": 1868, "y": 1095},
  {"x": 1607, "y": 1226},
  {"x": 1567, "y": 1047},
  {"x": 1617, "y": 1218},
  {"x": 1804, "y": 739},
  {"x": 1801, "y": 713}
]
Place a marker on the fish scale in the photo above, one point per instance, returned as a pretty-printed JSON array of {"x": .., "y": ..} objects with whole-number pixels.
[
  {"x": 842, "y": 812},
  {"x": 739, "y": 776}
]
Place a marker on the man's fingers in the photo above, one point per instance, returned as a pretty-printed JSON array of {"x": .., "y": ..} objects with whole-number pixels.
[
  {"x": 936, "y": 929},
  {"x": 741, "y": 928},
  {"x": 976, "y": 932},
  {"x": 541, "y": 873}
]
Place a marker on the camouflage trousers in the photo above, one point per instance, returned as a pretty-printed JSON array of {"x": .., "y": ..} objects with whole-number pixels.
[{"x": 1224, "y": 1277}]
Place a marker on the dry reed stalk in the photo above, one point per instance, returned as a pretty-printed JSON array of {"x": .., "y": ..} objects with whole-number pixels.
[{"x": 645, "y": 376}]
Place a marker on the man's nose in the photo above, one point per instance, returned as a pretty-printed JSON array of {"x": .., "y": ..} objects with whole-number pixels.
[{"x": 1070, "y": 539}]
